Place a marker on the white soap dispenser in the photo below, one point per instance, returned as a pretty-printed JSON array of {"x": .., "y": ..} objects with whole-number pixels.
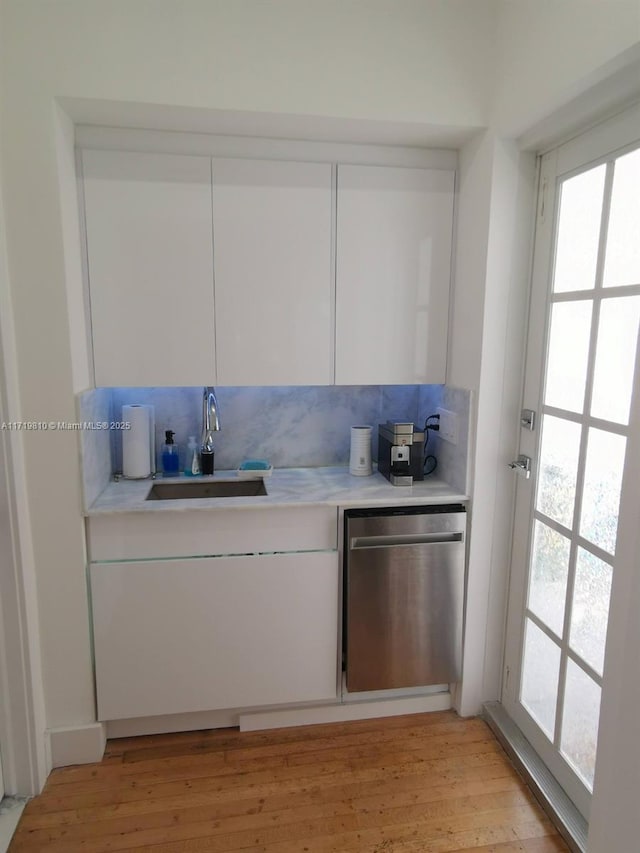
[{"x": 192, "y": 461}]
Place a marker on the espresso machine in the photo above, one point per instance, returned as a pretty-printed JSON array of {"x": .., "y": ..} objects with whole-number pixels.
[{"x": 400, "y": 452}]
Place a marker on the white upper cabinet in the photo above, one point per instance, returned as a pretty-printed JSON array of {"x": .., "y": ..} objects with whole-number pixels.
[
  {"x": 273, "y": 276},
  {"x": 150, "y": 258},
  {"x": 305, "y": 291},
  {"x": 394, "y": 233}
]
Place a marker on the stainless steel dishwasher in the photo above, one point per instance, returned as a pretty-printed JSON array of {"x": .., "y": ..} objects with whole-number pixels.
[{"x": 404, "y": 593}]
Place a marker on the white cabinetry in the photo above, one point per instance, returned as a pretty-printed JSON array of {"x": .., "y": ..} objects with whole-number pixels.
[
  {"x": 394, "y": 232},
  {"x": 177, "y": 636},
  {"x": 150, "y": 259},
  {"x": 164, "y": 243},
  {"x": 144, "y": 535},
  {"x": 273, "y": 278},
  {"x": 249, "y": 628}
]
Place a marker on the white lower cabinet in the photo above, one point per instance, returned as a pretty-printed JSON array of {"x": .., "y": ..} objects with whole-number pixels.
[{"x": 209, "y": 633}]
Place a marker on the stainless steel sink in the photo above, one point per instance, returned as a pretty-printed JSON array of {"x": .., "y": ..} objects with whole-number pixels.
[{"x": 209, "y": 489}]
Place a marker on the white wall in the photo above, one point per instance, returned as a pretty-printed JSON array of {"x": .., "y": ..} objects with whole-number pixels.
[
  {"x": 488, "y": 323},
  {"x": 424, "y": 62},
  {"x": 22, "y": 709},
  {"x": 404, "y": 60},
  {"x": 407, "y": 60},
  {"x": 549, "y": 51}
]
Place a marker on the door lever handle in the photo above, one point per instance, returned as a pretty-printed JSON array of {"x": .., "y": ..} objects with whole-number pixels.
[{"x": 522, "y": 466}]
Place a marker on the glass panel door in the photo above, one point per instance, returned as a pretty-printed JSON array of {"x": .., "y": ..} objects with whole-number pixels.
[{"x": 588, "y": 312}]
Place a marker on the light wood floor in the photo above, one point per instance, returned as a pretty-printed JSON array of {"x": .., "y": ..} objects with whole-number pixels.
[{"x": 428, "y": 783}]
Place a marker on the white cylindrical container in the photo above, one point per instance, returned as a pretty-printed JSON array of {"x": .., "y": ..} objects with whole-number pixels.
[
  {"x": 138, "y": 442},
  {"x": 360, "y": 458}
]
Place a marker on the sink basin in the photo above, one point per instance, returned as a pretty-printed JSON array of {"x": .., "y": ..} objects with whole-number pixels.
[{"x": 209, "y": 489}]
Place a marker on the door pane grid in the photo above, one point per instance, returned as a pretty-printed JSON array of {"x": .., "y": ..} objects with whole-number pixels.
[
  {"x": 580, "y": 540},
  {"x": 576, "y": 255},
  {"x": 604, "y": 225},
  {"x": 582, "y": 457},
  {"x": 570, "y": 376},
  {"x": 581, "y": 711},
  {"x": 564, "y": 647},
  {"x": 583, "y": 449},
  {"x": 584, "y": 666},
  {"x": 552, "y": 523},
  {"x": 590, "y": 612},
  {"x": 584, "y": 320},
  {"x": 549, "y": 569},
  {"x": 608, "y": 293},
  {"x": 614, "y": 368},
  {"x": 587, "y": 420},
  {"x": 544, "y": 627},
  {"x": 622, "y": 264}
]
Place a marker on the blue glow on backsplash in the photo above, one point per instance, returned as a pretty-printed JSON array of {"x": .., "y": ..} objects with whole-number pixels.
[{"x": 291, "y": 426}]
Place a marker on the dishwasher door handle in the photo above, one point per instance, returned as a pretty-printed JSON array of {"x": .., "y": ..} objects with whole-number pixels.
[{"x": 359, "y": 543}]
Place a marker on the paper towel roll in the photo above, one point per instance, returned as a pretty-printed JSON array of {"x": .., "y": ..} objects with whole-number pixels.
[{"x": 138, "y": 442}]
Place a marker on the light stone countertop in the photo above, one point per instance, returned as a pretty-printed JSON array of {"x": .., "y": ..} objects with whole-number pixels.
[{"x": 286, "y": 487}]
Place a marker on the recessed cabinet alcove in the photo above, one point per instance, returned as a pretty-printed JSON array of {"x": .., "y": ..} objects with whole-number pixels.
[{"x": 241, "y": 271}]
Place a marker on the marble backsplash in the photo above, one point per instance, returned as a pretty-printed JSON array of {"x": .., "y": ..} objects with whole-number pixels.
[
  {"x": 291, "y": 426},
  {"x": 94, "y": 407},
  {"x": 452, "y": 458}
]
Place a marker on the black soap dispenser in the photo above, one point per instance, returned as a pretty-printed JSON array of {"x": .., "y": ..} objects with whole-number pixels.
[{"x": 170, "y": 458}]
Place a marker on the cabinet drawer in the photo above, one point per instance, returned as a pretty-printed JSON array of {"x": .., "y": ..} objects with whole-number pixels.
[{"x": 144, "y": 535}]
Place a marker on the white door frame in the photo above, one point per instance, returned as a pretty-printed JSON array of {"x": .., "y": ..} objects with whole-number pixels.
[
  {"x": 586, "y": 150},
  {"x": 22, "y": 768},
  {"x": 25, "y": 762}
]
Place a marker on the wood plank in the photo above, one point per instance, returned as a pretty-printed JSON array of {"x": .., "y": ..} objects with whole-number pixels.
[
  {"x": 542, "y": 844},
  {"x": 548, "y": 844},
  {"x": 424, "y": 783},
  {"x": 303, "y": 791},
  {"x": 225, "y": 764},
  {"x": 243, "y": 743},
  {"x": 236, "y": 834},
  {"x": 404, "y": 839},
  {"x": 283, "y": 809},
  {"x": 238, "y": 783},
  {"x": 285, "y": 741}
]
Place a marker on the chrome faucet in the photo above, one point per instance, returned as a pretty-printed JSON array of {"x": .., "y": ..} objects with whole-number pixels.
[{"x": 210, "y": 418}]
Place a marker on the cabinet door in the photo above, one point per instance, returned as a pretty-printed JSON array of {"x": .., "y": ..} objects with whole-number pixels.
[
  {"x": 175, "y": 636},
  {"x": 394, "y": 231},
  {"x": 150, "y": 252},
  {"x": 273, "y": 283}
]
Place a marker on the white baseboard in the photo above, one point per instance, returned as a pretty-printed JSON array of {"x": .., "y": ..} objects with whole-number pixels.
[
  {"x": 77, "y": 744},
  {"x": 274, "y": 718},
  {"x": 342, "y": 713},
  {"x": 171, "y": 723}
]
